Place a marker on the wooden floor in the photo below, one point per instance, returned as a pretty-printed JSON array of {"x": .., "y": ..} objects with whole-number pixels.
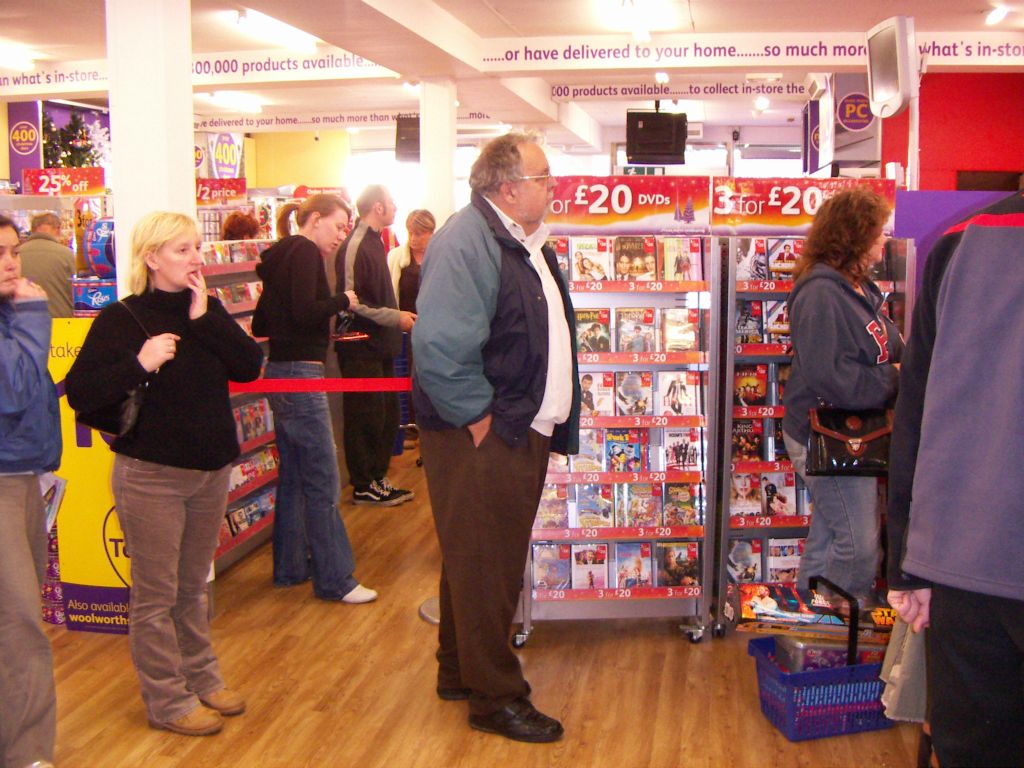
[{"x": 335, "y": 685}]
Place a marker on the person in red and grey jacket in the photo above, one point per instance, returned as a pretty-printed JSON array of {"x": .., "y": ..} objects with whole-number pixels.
[{"x": 956, "y": 509}]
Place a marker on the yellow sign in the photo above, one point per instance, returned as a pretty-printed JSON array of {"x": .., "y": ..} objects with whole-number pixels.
[{"x": 94, "y": 565}]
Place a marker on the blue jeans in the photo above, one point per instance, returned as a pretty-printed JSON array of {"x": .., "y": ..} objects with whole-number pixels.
[
  {"x": 309, "y": 536},
  {"x": 843, "y": 544}
]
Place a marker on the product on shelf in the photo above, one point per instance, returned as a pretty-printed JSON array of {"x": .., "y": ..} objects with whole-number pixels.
[
  {"x": 681, "y": 505},
  {"x": 678, "y": 563},
  {"x": 635, "y": 329},
  {"x": 552, "y": 566},
  {"x": 745, "y": 495},
  {"x": 678, "y": 393},
  {"x": 776, "y": 322},
  {"x": 635, "y": 257},
  {"x": 680, "y": 329},
  {"x": 751, "y": 255},
  {"x": 680, "y": 258},
  {"x": 591, "y": 258},
  {"x": 598, "y": 393},
  {"x": 778, "y": 494},
  {"x": 560, "y": 245},
  {"x": 744, "y": 561},
  {"x": 592, "y": 452},
  {"x": 595, "y": 505},
  {"x": 684, "y": 450},
  {"x": 784, "y": 559},
  {"x": 634, "y": 393},
  {"x": 626, "y": 450},
  {"x": 638, "y": 505},
  {"x": 633, "y": 564},
  {"x": 553, "y": 511},
  {"x": 593, "y": 330},
  {"x": 589, "y": 566},
  {"x": 750, "y": 385},
  {"x": 783, "y": 253},
  {"x": 781, "y": 454},
  {"x": 747, "y": 439},
  {"x": 749, "y": 321}
]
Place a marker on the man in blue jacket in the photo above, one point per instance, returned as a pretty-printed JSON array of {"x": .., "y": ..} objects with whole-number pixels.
[
  {"x": 496, "y": 390},
  {"x": 30, "y": 443}
]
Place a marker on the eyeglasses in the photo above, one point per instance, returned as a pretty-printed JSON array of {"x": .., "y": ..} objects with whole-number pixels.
[{"x": 543, "y": 178}]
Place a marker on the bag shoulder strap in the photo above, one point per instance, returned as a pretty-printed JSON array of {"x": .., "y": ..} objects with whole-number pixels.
[{"x": 135, "y": 317}]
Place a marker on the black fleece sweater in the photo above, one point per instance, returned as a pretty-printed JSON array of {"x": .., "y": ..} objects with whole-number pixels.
[
  {"x": 296, "y": 306},
  {"x": 185, "y": 420}
]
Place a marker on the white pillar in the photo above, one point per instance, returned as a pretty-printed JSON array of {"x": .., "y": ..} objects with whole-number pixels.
[
  {"x": 149, "y": 58},
  {"x": 437, "y": 146}
]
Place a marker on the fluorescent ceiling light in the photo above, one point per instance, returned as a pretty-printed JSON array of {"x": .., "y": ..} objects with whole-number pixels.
[
  {"x": 274, "y": 31},
  {"x": 637, "y": 15},
  {"x": 996, "y": 15},
  {"x": 17, "y": 57},
  {"x": 761, "y": 103},
  {"x": 238, "y": 101},
  {"x": 661, "y": 78}
]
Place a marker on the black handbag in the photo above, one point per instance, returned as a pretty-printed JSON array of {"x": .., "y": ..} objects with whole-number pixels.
[
  {"x": 854, "y": 443},
  {"x": 118, "y": 419}
]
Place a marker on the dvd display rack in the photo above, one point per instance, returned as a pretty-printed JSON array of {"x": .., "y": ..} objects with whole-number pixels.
[
  {"x": 625, "y": 529},
  {"x": 230, "y": 272},
  {"x": 765, "y": 509}
]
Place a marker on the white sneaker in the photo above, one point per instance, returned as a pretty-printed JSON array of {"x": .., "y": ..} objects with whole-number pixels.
[{"x": 360, "y": 594}]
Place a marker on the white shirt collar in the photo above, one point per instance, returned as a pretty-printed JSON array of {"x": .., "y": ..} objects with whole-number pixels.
[{"x": 533, "y": 242}]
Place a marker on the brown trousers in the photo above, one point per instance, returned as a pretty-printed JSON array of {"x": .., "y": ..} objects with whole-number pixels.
[
  {"x": 28, "y": 701},
  {"x": 484, "y": 502},
  {"x": 170, "y": 518}
]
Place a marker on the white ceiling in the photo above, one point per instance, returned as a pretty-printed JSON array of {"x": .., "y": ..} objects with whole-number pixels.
[{"x": 423, "y": 39}]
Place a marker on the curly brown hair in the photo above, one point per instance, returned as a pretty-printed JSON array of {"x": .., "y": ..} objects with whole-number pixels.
[{"x": 843, "y": 231}]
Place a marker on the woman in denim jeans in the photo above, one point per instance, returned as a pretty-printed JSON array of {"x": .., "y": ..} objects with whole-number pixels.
[
  {"x": 846, "y": 353},
  {"x": 171, "y": 469},
  {"x": 295, "y": 312}
]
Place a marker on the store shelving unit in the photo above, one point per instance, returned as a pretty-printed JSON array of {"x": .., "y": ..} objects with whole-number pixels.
[
  {"x": 689, "y": 602},
  {"x": 230, "y": 274}
]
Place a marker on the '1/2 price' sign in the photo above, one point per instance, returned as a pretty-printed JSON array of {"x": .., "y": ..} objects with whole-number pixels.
[
  {"x": 211, "y": 192},
  {"x": 63, "y": 181},
  {"x": 779, "y": 205}
]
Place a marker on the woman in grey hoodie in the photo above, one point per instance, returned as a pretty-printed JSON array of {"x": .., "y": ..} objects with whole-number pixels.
[{"x": 846, "y": 353}]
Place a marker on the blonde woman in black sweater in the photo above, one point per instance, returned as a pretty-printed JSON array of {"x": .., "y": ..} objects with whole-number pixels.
[{"x": 171, "y": 471}]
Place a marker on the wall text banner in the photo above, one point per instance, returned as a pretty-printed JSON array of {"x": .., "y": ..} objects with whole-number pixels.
[
  {"x": 208, "y": 69},
  {"x": 817, "y": 51},
  {"x": 315, "y": 121},
  {"x": 780, "y": 206},
  {"x": 63, "y": 181},
  {"x": 94, "y": 566},
  {"x": 679, "y": 88},
  {"x": 621, "y": 205}
]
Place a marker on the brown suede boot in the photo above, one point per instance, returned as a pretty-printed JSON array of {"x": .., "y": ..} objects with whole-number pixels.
[
  {"x": 225, "y": 701},
  {"x": 199, "y": 722}
]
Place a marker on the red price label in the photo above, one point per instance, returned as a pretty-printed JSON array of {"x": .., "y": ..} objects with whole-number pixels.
[
  {"x": 63, "y": 181},
  {"x": 210, "y": 192}
]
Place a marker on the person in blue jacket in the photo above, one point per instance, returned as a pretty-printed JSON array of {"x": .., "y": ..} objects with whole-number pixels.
[
  {"x": 846, "y": 354},
  {"x": 496, "y": 390},
  {"x": 30, "y": 443}
]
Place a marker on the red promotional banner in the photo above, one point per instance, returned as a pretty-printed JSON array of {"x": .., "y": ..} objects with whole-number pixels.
[
  {"x": 780, "y": 206},
  {"x": 630, "y": 204},
  {"x": 220, "y": 192},
  {"x": 63, "y": 181}
]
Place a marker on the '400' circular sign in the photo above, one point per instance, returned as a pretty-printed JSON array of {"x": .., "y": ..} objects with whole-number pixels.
[
  {"x": 24, "y": 138},
  {"x": 227, "y": 157}
]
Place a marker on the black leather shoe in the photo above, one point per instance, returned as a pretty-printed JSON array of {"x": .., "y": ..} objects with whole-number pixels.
[
  {"x": 519, "y": 721},
  {"x": 453, "y": 694}
]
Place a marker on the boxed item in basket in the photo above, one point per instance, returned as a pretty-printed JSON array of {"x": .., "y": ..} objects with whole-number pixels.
[{"x": 797, "y": 654}]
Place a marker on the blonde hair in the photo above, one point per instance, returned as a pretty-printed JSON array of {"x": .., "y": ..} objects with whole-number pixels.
[
  {"x": 420, "y": 220},
  {"x": 149, "y": 234}
]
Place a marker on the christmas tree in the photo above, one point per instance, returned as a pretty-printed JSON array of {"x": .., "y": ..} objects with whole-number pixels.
[
  {"x": 688, "y": 214},
  {"x": 67, "y": 147}
]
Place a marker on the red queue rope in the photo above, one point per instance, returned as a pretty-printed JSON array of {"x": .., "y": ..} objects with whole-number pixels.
[{"x": 321, "y": 385}]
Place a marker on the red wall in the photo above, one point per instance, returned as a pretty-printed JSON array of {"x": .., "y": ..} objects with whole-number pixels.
[{"x": 969, "y": 122}]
